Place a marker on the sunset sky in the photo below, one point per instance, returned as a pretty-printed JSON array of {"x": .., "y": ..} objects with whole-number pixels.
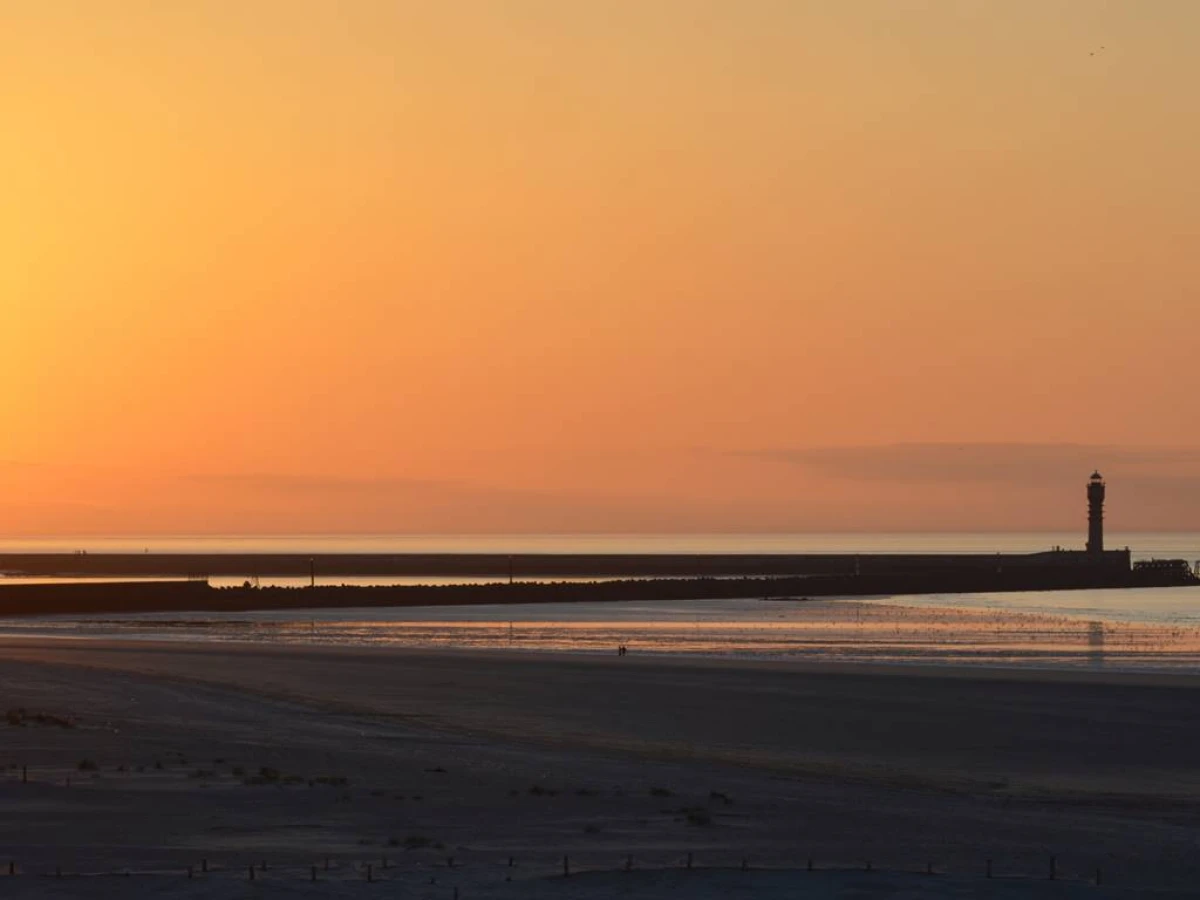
[{"x": 284, "y": 266}]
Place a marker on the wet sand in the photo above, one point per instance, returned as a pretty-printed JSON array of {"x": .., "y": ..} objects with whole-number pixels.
[
  {"x": 815, "y": 630},
  {"x": 544, "y": 755}
]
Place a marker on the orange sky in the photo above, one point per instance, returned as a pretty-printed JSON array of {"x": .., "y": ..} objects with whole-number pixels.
[{"x": 667, "y": 265}]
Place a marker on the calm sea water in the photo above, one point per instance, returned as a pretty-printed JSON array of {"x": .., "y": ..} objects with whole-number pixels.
[
  {"x": 1143, "y": 544},
  {"x": 1120, "y": 629}
]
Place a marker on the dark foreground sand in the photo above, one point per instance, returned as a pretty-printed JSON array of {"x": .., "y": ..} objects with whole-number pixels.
[{"x": 237, "y": 754}]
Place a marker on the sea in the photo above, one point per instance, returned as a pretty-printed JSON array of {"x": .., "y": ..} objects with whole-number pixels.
[{"x": 1118, "y": 629}]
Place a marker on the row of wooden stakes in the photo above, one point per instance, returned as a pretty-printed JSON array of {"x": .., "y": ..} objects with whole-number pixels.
[{"x": 368, "y": 869}]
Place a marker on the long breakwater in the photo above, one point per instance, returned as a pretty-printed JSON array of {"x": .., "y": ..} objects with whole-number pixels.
[{"x": 655, "y": 579}]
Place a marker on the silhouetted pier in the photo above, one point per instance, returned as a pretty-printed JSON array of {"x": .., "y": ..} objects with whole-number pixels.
[
  {"x": 637, "y": 578},
  {"x": 536, "y": 566}
]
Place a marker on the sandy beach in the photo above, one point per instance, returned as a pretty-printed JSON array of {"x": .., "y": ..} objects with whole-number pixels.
[
  {"x": 1060, "y": 629},
  {"x": 400, "y": 759}
]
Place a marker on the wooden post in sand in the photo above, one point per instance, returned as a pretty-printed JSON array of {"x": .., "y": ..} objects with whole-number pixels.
[
  {"x": 250, "y": 868},
  {"x": 689, "y": 859},
  {"x": 204, "y": 865},
  {"x": 370, "y": 874},
  {"x": 12, "y": 867},
  {"x": 745, "y": 865}
]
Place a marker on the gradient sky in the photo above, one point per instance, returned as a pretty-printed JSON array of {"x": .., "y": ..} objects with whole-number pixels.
[{"x": 533, "y": 265}]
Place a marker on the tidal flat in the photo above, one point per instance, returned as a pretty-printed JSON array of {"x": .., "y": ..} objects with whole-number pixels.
[{"x": 328, "y": 770}]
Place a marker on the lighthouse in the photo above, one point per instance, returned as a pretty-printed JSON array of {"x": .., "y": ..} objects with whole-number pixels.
[{"x": 1095, "y": 495}]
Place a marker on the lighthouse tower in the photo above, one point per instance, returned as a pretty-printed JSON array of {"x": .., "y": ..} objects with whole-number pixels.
[{"x": 1095, "y": 494}]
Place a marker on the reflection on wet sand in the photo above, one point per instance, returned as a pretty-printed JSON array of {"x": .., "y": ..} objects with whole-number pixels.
[
  {"x": 1096, "y": 643},
  {"x": 836, "y": 630}
]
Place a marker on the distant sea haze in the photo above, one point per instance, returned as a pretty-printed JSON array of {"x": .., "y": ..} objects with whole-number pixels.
[{"x": 1144, "y": 545}]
